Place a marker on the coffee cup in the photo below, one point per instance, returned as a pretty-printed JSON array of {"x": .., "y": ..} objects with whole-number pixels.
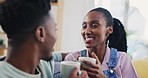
[
  {"x": 92, "y": 60},
  {"x": 67, "y": 66}
]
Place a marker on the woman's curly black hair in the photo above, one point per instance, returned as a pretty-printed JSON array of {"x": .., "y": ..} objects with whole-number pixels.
[{"x": 118, "y": 38}]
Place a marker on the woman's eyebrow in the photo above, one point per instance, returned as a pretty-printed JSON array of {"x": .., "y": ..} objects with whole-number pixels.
[{"x": 95, "y": 21}]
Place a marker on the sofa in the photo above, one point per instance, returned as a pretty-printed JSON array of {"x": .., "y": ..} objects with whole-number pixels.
[{"x": 141, "y": 67}]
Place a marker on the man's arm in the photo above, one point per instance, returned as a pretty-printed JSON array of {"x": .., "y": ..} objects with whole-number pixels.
[{"x": 58, "y": 56}]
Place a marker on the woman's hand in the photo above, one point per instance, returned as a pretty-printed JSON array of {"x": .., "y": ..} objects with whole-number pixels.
[
  {"x": 74, "y": 74},
  {"x": 93, "y": 70}
]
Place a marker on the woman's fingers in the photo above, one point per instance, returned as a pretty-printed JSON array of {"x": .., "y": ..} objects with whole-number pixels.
[
  {"x": 89, "y": 68},
  {"x": 97, "y": 59},
  {"x": 84, "y": 74},
  {"x": 93, "y": 70},
  {"x": 87, "y": 63},
  {"x": 92, "y": 75}
]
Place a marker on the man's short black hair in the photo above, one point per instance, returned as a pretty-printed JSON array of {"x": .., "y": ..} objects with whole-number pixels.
[{"x": 19, "y": 16}]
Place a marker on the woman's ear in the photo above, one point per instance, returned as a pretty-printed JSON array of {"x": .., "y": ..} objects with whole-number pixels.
[
  {"x": 109, "y": 29},
  {"x": 40, "y": 34}
]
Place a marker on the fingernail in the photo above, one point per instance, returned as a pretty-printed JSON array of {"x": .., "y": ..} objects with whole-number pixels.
[{"x": 92, "y": 53}]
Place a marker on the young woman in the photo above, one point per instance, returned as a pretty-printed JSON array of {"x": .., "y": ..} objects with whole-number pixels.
[{"x": 97, "y": 32}]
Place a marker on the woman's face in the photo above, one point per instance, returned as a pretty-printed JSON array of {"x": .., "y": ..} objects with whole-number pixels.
[{"x": 94, "y": 29}]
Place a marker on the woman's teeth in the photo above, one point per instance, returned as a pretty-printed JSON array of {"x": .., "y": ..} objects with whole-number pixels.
[{"x": 89, "y": 38}]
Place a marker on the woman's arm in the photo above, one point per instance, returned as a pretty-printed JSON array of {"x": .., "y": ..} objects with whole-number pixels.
[{"x": 127, "y": 68}]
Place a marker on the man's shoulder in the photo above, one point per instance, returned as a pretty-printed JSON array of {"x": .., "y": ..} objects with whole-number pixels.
[
  {"x": 2, "y": 64},
  {"x": 46, "y": 67},
  {"x": 46, "y": 64},
  {"x": 3, "y": 70}
]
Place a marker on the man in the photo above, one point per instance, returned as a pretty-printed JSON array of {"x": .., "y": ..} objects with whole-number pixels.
[{"x": 31, "y": 33}]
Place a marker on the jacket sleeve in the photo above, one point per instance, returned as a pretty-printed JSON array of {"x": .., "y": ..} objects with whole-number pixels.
[{"x": 57, "y": 56}]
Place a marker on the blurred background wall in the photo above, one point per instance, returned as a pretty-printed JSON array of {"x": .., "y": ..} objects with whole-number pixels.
[{"x": 69, "y": 15}]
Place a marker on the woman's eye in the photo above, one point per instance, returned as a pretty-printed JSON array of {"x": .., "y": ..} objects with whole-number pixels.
[
  {"x": 84, "y": 26},
  {"x": 94, "y": 25}
]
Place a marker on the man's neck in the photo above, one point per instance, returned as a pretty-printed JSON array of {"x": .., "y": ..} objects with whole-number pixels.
[{"x": 24, "y": 59}]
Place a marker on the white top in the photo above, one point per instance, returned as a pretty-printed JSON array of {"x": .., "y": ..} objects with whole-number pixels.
[{"x": 44, "y": 70}]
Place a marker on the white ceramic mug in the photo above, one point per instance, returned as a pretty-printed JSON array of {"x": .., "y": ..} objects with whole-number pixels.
[
  {"x": 92, "y": 60},
  {"x": 67, "y": 66}
]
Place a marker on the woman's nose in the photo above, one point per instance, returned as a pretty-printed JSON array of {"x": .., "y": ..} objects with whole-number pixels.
[{"x": 88, "y": 30}]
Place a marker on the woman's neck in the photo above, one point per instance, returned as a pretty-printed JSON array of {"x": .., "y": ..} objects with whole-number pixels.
[{"x": 99, "y": 51}]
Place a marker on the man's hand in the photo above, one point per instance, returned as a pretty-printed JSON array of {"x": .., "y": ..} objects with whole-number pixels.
[{"x": 74, "y": 74}]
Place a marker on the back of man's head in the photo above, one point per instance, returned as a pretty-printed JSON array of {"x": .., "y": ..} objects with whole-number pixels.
[{"x": 22, "y": 16}]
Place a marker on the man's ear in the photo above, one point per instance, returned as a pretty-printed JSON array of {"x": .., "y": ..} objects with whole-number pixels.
[{"x": 40, "y": 34}]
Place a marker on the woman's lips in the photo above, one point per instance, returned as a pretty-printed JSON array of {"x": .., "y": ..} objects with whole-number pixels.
[{"x": 88, "y": 40}]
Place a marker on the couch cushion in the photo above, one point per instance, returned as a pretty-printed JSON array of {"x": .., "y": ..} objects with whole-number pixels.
[{"x": 141, "y": 67}]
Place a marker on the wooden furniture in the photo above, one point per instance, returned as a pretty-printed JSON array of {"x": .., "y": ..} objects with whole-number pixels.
[
  {"x": 57, "y": 10},
  {"x": 2, "y": 50},
  {"x": 141, "y": 67},
  {"x": 2, "y": 46}
]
